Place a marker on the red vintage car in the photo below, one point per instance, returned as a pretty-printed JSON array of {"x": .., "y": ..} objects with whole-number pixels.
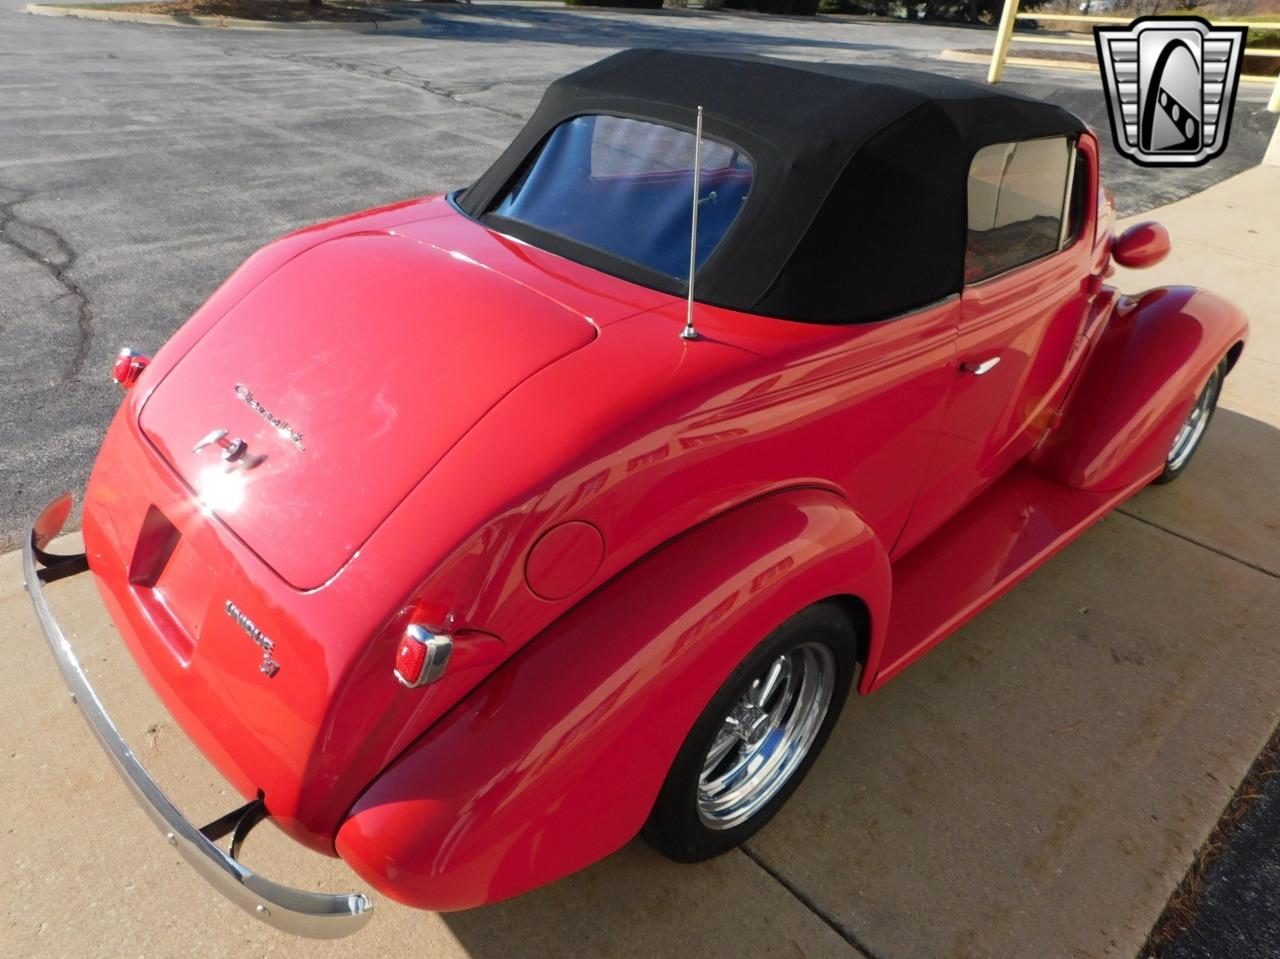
[{"x": 468, "y": 543}]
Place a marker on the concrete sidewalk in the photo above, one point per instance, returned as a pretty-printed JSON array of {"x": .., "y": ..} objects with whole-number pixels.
[
  {"x": 1035, "y": 787},
  {"x": 1039, "y": 783}
]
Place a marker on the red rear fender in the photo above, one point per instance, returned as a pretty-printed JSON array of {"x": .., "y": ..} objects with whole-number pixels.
[{"x": 555, "y": 760}]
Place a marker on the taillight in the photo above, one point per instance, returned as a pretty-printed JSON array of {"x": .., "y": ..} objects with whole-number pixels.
[
  {"x": 422, "y": 656},
  {"x": 128, "y": 367}
]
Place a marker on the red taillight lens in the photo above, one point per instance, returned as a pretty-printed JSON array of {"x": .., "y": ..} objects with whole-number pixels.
[
  {"x": 128, "y": 367},
  {"x": 422, "y": 656},
  {"x": 409, "y": 659}
]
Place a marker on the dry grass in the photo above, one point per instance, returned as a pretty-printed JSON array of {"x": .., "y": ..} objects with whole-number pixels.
[
  {"x": 1254, "y": 66},
  {"x": 1180, "y": 912},
  {"x": 281, "y": 11}
]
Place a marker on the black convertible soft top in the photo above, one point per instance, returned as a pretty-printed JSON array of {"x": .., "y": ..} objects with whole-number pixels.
[{"x": 858, "y": 207}]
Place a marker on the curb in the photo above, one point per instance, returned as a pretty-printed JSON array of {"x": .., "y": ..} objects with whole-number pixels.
[
  {"x": 392, "y": 24},
  {"x": 964, "y": 56}
]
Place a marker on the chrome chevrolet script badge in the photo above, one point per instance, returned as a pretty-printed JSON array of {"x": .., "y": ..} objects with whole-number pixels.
[
  {"x": 283, "y": 427},
  {"x": 1170, "y": 84},
  {"x": 268, "y": 665}
]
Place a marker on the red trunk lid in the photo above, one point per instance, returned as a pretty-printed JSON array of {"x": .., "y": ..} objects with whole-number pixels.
[{"x": 350, "y": 371}]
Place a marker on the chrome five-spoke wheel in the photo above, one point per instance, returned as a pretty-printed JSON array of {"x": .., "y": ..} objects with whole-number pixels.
[
  {"x": 766, "y": 735},
  {"x": 1191, "y": 433},
  {"x": 757, "y": 737},
  {"x": 1189, "y": 436}
]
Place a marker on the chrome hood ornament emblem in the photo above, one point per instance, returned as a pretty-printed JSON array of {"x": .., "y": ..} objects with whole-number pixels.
[{"x": 283, "y": 427}]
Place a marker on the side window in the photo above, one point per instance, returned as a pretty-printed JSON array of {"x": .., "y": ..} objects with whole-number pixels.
[{"x": 1017, "y": 192}]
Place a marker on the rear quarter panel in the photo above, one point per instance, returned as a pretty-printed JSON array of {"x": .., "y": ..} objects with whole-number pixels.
[{"x": 556, "y": 759}]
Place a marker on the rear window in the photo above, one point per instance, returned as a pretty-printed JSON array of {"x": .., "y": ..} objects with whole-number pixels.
[
  {"x": 1017, "y": 192},
  {"x": 624, "y": 186}
]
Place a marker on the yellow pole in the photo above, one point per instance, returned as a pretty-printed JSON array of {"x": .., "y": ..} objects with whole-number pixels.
[
  {"x": 1274, "y": 103},
  {"x": 1272, "y": 157},
  {"x": 1007, "y": 19}
]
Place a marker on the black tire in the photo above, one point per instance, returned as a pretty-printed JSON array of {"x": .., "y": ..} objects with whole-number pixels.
[
  {"x": 1182, "y": 451},
  {"x": 676, "y": 826}
]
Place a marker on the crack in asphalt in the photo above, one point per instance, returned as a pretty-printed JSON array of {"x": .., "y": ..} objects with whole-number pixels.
[
  {"x": 59, "y": 268},
  {"x": 396, "y": 74}
]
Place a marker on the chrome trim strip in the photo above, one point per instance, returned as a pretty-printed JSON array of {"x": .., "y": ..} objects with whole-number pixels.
[{"x": 296, "y": 911}]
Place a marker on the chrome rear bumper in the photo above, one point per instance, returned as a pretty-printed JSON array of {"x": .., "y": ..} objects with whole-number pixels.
[{"x": 295, "y": 911}]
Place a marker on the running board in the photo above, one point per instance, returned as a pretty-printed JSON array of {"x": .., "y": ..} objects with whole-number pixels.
[{"x": 980, "y": 554}]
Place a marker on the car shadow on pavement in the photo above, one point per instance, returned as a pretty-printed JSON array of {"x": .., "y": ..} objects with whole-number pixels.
[
  {"x": 1063, "y": 755},
  {"x": 1227, "y": 500}
]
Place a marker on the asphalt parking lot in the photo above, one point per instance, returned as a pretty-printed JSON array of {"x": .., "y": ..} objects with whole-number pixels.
[
  {"x": 139, "y": 165},
  {"x": 1035, "y": 787}
]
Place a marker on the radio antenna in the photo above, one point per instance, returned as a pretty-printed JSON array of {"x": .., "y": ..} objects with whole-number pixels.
[{"x": 689, "y": 333}]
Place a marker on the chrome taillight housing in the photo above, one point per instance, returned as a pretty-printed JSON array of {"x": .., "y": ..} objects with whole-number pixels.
[{"x": 422, "y": 656}]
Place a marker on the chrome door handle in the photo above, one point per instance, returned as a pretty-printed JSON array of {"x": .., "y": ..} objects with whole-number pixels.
[{"x": 978, "y": 368}]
